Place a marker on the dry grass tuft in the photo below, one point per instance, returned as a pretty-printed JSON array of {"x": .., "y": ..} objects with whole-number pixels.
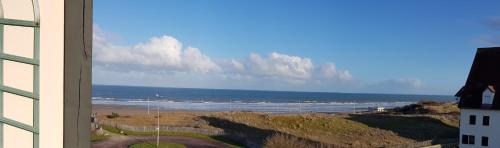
[{"x": 285, "y": 141}]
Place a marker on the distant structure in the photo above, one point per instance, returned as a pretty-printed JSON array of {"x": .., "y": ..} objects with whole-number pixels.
[
  {"x": 479, "y": 106},
  {"x": 376, "y": 109}
]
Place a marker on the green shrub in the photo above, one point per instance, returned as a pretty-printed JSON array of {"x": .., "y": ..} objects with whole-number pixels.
[{"x": 113, "y": 115}]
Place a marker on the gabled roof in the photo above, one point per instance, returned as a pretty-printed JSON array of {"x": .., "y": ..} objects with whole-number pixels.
[
  {"x": 491, "y": 88},
  {"x": 484, "y": 74}
]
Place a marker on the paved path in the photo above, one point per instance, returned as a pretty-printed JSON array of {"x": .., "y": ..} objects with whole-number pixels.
[{"x": 121, "y": 141}]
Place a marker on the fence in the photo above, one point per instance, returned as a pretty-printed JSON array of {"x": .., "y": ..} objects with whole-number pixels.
[{"x": 162, "y": 128}]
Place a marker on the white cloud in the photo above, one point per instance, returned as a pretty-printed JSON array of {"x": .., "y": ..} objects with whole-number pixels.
[
  {"x": 494, "y": 23},
  {"x": 329, "y": 71},
  {"x": 237, "y": 65},
  {"x": 163, "y": 53},
  {"x": 489, "y": 40},
  {"x": 493, "y": 38},
  {"x": 345, "y": 75},
  {"x": 281, "y": 66}
]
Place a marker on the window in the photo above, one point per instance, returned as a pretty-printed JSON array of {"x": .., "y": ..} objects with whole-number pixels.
[
  {"x": 486, "y": 120},
  {"x": 472, "y": 119},
  {"x": 472, "y": 139},
  {"x": 469, "y": 139},
  {"x": 484, "y": 141},
  {"x": 31, "y": 93}
]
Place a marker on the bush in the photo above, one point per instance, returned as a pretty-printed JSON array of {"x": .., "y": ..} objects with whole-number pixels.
[
  {"x": 429, "y": 103},
  {"x": 113, "y": 115}
]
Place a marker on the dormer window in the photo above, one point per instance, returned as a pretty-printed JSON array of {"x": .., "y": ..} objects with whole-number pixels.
[{"x": 488, "y": 95}]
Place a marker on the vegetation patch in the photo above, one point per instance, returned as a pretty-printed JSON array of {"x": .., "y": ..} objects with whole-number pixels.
[
  {"x": 161, "y": 145},
  {"x": 113, "y": 115},
  {"x": 98, "y": 137},
  {"x": 428, "y": 107},
  {"x": 344, "y": 130}
]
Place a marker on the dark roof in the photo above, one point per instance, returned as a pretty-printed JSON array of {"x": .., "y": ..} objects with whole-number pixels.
[
  {"x": 485, "y": 72},
  {"x": 492, "y": 88}
]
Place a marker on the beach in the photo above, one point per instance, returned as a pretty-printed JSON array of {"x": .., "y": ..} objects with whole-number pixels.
[{"x": 219, "y": 100}]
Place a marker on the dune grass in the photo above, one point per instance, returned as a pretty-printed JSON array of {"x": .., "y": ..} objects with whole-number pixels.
[
  {"x": 369, "y": 130},
  {"x": 161, "y": 145}
]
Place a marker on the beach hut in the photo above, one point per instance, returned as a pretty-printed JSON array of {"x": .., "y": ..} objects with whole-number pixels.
[{"x": 479, "y": 105}]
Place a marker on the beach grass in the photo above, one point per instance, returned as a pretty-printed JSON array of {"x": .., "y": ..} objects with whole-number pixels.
[
  {"x": 353, "y": 130},
  {"x": 161, "y": 145}
]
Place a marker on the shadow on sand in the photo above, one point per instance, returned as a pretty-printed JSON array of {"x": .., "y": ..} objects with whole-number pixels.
[{"x": 418, "y": 128}]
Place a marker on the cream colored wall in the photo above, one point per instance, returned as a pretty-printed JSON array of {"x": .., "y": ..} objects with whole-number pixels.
[
  {"x": 17, "y": 42},
  {"x": 51, "y": 73}
]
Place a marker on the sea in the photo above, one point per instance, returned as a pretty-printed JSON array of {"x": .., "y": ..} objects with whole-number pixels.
[{"x": 197, "y": 99}]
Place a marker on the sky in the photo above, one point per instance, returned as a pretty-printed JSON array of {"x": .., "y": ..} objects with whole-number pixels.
[{"x": 353, "y": 46}]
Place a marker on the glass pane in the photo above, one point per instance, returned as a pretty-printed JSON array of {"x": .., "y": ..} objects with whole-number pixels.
[
  {"x": 18, "y": 108},
  {"x": 18, "y": 9},
  {"x": 19, "y": 41},
  {"x": 17, "y": 138},
  {"x": 18, "y": 75}
]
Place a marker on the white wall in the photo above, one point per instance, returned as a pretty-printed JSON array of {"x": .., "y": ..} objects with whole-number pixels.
[
  {"x": 51, "y": 73},
  {"x": 478, "y": 130},
  {"x": 488, "y": 97}
]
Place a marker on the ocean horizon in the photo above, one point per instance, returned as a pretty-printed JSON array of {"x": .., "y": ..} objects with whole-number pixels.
[{"x": 202, "y": 99}]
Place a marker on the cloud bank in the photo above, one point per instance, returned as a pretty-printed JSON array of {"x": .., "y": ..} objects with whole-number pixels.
[
  {"x": 165, "y": 61},
  {"x": 163, "y": 53}
]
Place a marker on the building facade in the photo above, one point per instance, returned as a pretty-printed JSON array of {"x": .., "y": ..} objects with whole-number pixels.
[
  {"x": 479, "y": 104},
  {"x": 477, "y": 128}
]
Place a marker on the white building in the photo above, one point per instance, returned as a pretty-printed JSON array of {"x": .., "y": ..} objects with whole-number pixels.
[
  {"x": 477, "y": 128},
  {"x": 376, "y": 109},
  {"x": 479, "y": 111}
]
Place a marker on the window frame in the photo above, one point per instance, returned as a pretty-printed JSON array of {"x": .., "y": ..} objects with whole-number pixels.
[
  {"x": 472, "y": 139},
  {"x": 34, "y": 128},
  {"x": 484, "y": 141},
  {"x": 465, "y": 139},
  {"x": 486, "y": 120},
  {"x": 472, "y": 119}
]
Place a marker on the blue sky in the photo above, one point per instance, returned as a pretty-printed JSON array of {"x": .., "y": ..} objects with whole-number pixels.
[{"x": 386, "y": 46}]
